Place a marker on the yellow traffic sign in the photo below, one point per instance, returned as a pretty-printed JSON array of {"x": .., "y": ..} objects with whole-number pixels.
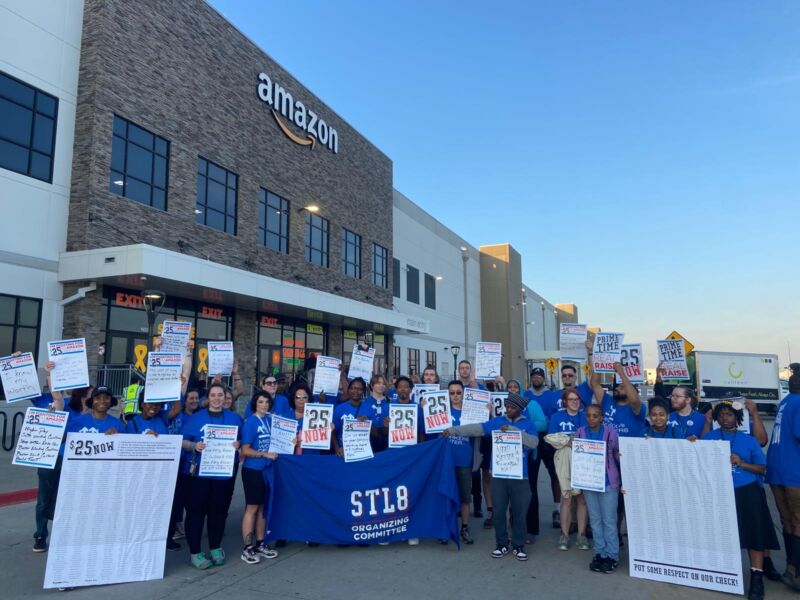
[
  {"x": 551, "y": 364},
  {"x": 687, "y": 345}
]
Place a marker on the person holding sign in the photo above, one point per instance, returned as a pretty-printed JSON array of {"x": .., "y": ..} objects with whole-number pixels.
[
  {"x": 98, "y": 420},
  {"x": 378, "y": 408},
  {"x": 317, "y": 428},
  {"x": 148, "y": 420},
  {"x": 403, "y": 387},
  {"x": 508, "y": 493},
  {"x": 209, "y": 496},
  {"x": 623, "y": 409},
  {"x": 603, "y": 505},
  {"x": 255, "y": 445},
  {"x": 660, "y": 425},
  {"x": 748, "y": 466},
  {"x": 353, "y": 408}
]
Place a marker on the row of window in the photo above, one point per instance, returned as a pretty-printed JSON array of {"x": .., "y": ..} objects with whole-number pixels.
[
  {"x": 412, "y": 285},
  {"x": 413, "y": 361}
]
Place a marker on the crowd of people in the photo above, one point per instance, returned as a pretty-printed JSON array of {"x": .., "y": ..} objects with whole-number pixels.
[{"x": 548, "y": 419}]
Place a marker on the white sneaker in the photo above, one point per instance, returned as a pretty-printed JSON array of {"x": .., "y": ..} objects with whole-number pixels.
[{"x": 413, "y": 542}]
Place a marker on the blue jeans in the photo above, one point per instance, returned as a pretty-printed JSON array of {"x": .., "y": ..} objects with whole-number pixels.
[{"x": 603, "y": 518}]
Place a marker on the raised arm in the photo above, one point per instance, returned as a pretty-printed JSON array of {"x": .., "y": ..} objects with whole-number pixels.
[
  {"x": 58, "y": 397},
  {"x": 630, "y": 390},
  {"x": 238, "y": 384}
]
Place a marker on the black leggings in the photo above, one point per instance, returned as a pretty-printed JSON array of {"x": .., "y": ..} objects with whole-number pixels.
[
  {"x": 178, "y": 503},
  {"x": 544, "y": 453},
  {"x": 207, "y": 500}
]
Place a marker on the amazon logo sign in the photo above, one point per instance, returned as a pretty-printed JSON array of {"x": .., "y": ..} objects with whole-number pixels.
[{"x": 290, "y": 113}]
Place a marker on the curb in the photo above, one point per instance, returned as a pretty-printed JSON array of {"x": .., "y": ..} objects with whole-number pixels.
[{"x": 18, "y": 497}]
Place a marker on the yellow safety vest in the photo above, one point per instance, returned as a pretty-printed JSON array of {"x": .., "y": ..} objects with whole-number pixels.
[{"x": 131, "y": 404}]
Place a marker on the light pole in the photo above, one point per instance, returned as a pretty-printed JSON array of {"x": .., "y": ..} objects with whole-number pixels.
[
  {"x": 153, "y": 301},
  {"x": 455, "y": 350},
  {"x": 544, "y": 328}
]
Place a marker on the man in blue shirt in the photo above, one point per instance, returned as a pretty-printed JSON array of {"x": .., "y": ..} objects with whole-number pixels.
[{"x": 622, "y": 409}]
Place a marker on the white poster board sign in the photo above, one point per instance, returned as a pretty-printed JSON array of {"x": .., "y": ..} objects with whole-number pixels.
[
  {"x": 283, "y": 435},
  {"x": 219, "y": 455},
  {"x": 175, "y": 336},
  {"x": 672, "y": 358},
  {"x": 476, "y": 406},
  {"x": 423, "y": 388},
  {"x": 40, "y": 438},
  {"x": 606, "y": 351},
  {"x": 403, "y": 425},
  {"x": 689, "y": 474},
  {"x": 361, "y": 363},
  {"x": 488, "y": 358},
  {"x": 355, "y": 440},
  {"x": 507, "y": 454},
  {"x": 589, "y": 465},
  {"x": 436, "y": 411},
  {"x": 572, "y": 341},
  {"x": 498, "y": 403},
  {"x": 326, "y": 375},
  {"x": 20, "y": 380},
  {"x": 317, "y": 421},
  {"x": 220, "y": 358},
  {"x": 107, "y": 475},
  {"x": 71, "y": 369},
  {"x": 163, "y": 380},
  {"x": 632, "y": 361}
]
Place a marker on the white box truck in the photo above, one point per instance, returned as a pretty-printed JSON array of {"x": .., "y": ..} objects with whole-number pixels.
[{"x": 754, "y": 376}]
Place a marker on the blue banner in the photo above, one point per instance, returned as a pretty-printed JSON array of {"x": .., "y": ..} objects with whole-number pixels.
[{"x": 400, "y": 494}]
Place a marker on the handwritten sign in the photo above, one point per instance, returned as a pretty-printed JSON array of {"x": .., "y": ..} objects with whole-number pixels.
[
  {"x": 20, "y": 380},
  {"x": 572, "y": 341},
  {"x": 436, "y": 411},
  {"x": 672, "y": 358},
  {"x": 175, "y": 336},
  {"x": 317, "y": 420},
  {"x": 163, "y": 383},
  {"x": 589, "y": 465},
  {"x": 423, "y": 388},
  {"x": 488, "y": 358},
  {"x": 361, "y": 363},
  {"x": 632, "y": 361},
  {"x": 219, "y": 455},
  {"x": 283, "y": 435},
  {"x": 507, "y": 454},
  {"x": 607, "y": 350},
  {"x": 71, "y": 369},
  {"x": 474, "y": 408},
  {"x": 499, "y": 403},
  {"x": 220, "y": 358},
  {"x": 40, "y": 438},
  {"x": 355, "y": 440},
  {"x": 402, "y": 425},
  {"x": 326, "y": 375}
]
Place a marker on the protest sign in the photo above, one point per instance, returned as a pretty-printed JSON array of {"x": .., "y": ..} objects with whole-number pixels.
[
  {"x": 422, "y": 388},
  {"x": 499, "y": 403},
  {"x": 672, "y": 358},
  {"x": 20, "y": 380},
  {"x": 107, "y": 475},
  {"x": 326, "y": 375},
  {"x": 220, "y": 358},
  {"x": 684, "y": 553},
  {"x": 283, "y": 435},
  {"x": 175, "y": 337},
  {"x": 488, "y": 357},
  {"x": 589, "y": 465},
  {"x": 632, "y": 361},
  {"x": 402, "y": 425},
  {"x": 507, "y": 454},
  {"x": 436, "y": 411},
  {"x": 606, "y": 351},
  {"x": 572, "y": 341},
  {"x": 361, "y": 363},
  {"x": 163, "y": 383},
  {"x": 219, "y": 455},
  {"x": 475, "y": 407},
  {"x": 317, "y": 420},
  {"x": 71, "y": 369},
  {"x": 355, "y": 440},
  {"x": 40, "y": 438}
]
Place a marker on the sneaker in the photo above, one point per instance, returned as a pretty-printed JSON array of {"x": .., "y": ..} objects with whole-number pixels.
[
  {"x": 179, "y": 533},
  {"x": 172, "y": 545},
  {"x": 500, "y": 551},
  {"x": 582, "y": 543},
  {"x": 563, "y": 543},
  {"x": 466, "y": 535},
  {"x": 250, "y": 555},
  {"x": 556, "y": 519},
  {"x": 609, "y": 565},
  {"x": 520, "y": 554},
  {"x": 756, "y": 591},
  {"x": 489, "y": 522},
  {"x": 413, "y": 542},
  {"x": 383, "y": 543},
  {"x": 199, "y": 561},
  {"x": 597, "y": 564},
  {"x": 217, "y": 556},
  {"x": 39, "y": 544},
  {"x": 265, "y": 551}
]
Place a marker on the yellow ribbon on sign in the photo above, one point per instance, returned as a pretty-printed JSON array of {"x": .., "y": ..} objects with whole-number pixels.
[
  {"x": 140, "y": 350},
  {"x": 202, "y": 355}
]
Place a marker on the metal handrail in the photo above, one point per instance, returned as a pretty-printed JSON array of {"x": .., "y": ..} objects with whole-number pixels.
[{"x": 8, "y": 444}]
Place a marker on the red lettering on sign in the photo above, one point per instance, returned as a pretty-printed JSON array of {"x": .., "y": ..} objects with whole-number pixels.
[
  {"x": 437, "y": 419},
  {"x": 211, "y": 313},
  {"x": 269, "y": 321},
  {"x": 128, "y": 300},
  {"x": 315, "y": 435},
  {"x": 399, "y": 435}
]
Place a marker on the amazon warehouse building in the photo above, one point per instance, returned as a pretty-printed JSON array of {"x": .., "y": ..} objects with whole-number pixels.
[{"x": 151, "y": 145}]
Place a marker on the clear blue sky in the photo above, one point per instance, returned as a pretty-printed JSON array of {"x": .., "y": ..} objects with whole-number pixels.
[{"x": 643, "y": 157}]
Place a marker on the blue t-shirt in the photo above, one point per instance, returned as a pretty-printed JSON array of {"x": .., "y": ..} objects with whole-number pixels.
[
  {"x": 86, "y": 423},
  {"x": 45, "y": 400},
  {"x": 563, "y": 422},
  {"x": 523, "y": 424},
  {"x": 257, "y": 432},
  {"x": 691, "y": 424},
  {"x": 140, "y": 425},
  {"x": 281, "y": 408},
  {"x": 461, "y": 446},
  {"x": 376, "y": 411},
  {"x": 535, "y": 414},
  {"x": 550, "y": 401},
  {"x": 670, "y": 432},
  {"x": 346, "y": 409},
  {"x": 193, "y": 431},
  {"x": 783, "y": 454},
  {"x": 622, "y": 418},
  {"x": 748, "y": 450}
]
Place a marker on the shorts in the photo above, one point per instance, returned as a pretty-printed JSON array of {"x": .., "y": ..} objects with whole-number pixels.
[
  {"x": 787, "y": 499},
  {"x": 255, "y": 489},
  {"x": 464, "y": 480}
]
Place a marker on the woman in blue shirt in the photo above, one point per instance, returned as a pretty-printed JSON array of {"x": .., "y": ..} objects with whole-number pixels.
[
  {"x": 756, "y": 533},
  {"x": 660, "y": 425}
]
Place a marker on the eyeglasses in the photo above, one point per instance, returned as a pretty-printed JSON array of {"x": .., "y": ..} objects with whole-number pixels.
[{"x": 273, "y": 382}]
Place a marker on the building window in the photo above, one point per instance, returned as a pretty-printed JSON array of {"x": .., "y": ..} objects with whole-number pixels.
[
  {"x": 396, "y": 277},
  {"x": 27, "y": 129},
  {"x": 19, "y": 325},
  {"x": 316, "y": 239},
  {"x": 396, "y": 361},
  {"x": 216, "y": 196},
  {"x": 430, "y": 291},
  {"x": 139, "y": 164},
  {"x": 412, "y": 284},
  {"x": 273, "y": 221},
  {"x": 380, "y": 263},
  {"x": 284, "y": 344},
  {"x": 351, "y": 254},
  {"x": 430, "y": 359},
  {"x": 413, "y": 361}
]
